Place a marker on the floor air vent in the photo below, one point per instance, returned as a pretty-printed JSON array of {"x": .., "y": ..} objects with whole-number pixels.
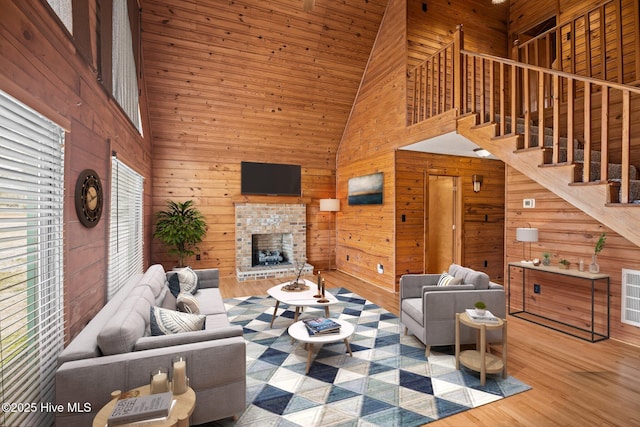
[{"x": 631, "y": 297}]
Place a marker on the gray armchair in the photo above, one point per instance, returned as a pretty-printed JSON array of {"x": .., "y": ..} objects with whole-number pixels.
[{"x": 429, "y": 311}]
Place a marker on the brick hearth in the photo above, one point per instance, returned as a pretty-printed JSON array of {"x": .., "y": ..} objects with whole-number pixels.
[{"x": 266, "y": 218}]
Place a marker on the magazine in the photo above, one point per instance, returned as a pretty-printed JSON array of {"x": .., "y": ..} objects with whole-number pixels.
[
  {"x": 487, "y": 317},
  {"x": 141, "y": 408},
  {"x": 321, "y": 325}
]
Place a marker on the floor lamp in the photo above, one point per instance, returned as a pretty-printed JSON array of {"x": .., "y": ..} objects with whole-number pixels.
[
  {"x": 330, "y": 205},
  {"x": 526, "y": 234}
]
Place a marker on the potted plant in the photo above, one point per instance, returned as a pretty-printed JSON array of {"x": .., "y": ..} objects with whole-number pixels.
[
  {"x": 180, "y": 227},
  {"x": 546, "y": 258},
  {"x": 594, "y": 267},
  {"x": 480, "y": 308},
  {"x": 564, "y": 263}
]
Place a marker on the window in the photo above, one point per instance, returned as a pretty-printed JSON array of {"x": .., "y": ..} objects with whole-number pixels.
[
  {"x": 125, "y": 82},
  {"x": 63, "y": 9},
  {"x": 31, "y": 258},
  {"x": 125, "y": 227}
]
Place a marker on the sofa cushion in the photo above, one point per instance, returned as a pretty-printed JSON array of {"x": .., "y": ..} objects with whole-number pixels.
[
  {"x": 120, "y": 333},
  {"x": 156, "y": 279},
  {"x": 478, "y": 279},
  {"x": 165, "y": 322},
  {"x": 187, "y": 303},
  {"x": 448, "y": 280},
  {"x": 413, "y": 308},
  {"x": 210, "y": 301},
  {"x": 183, "y": 280}
]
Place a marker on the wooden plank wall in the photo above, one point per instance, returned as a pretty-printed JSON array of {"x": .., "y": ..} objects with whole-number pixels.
[
  {"x": 430, "y": 30},
  {"x": 365, "y": 236},
  {"x": 482, "y": 212},
  {"x": 377, "y": 126},
  {"x": 256, "y": 81},
  {"x": 566, "y": 232},
  {"x": 41, "y": 67}
]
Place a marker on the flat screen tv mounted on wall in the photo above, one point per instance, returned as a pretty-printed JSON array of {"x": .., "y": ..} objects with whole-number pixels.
[{"x": 273, "y": 179}]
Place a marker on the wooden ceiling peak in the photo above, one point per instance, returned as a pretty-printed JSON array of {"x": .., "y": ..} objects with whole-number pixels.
[{"x": 251, "y": 78}]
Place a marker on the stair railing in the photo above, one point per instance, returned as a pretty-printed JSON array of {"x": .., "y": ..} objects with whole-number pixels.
[
  {"x": 596, "y": 114},
  {"x": 432, "y": 86}
]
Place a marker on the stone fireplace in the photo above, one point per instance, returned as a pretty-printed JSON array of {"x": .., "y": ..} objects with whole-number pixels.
[{"x": 268, "y": 232}]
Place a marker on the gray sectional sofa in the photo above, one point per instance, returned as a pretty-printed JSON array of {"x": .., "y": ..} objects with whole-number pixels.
[{"x": 116, "y": 351}]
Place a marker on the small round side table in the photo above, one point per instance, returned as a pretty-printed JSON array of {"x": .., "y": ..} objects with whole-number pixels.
[
  {"x": 178, "y": 417},
  {"x": 479, "y": 359}
]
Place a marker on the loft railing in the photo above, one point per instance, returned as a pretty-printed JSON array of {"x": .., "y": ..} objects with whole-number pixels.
[
  {"x": 431, "y": 85},
  {"x": 582, "y": 45}
]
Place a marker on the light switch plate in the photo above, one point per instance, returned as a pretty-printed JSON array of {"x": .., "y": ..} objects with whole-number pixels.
[{"x": 528, "y": 203}]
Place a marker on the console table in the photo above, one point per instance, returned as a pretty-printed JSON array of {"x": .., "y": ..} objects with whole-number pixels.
[{"x": 591, "y": 279}]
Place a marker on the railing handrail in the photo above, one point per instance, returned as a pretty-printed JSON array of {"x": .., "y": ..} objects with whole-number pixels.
[
  {"x": 433, "y": 55},
  {"x": 551, "y": 71},
  {"x": 559, "y": 26}
]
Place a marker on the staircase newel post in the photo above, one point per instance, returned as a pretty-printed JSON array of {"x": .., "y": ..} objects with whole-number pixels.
[{"x": 457, "y": 70}]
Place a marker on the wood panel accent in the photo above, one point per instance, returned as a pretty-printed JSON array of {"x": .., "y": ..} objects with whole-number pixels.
[
  {"x": 482, "y": 213},
  {"x": 365, "y": 233},
  {"x": 251, "y": 81},
  {"x": 42, "y": 68},
  {"x": 377, "y": 125},
  {"x": 567, "y": 232},
  {"x": 428, "y": 31},
  {"x": 214, "y": 186}
]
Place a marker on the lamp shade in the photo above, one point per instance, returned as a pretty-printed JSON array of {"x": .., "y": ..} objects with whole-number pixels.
[
  {"x": 526, "y": 234},
  {"x": 329, "y": 205}
]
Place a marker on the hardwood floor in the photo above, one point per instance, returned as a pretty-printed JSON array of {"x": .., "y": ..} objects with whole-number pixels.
[{"x": 574, "y": 382}]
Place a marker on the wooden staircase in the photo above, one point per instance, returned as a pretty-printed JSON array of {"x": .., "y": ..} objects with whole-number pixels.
[
  {"x": 593, "y": 197},
  {"x": 576, "y": 135}
]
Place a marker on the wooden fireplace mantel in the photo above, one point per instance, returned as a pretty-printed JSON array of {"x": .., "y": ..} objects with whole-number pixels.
[{"x": 271, "y": 199}]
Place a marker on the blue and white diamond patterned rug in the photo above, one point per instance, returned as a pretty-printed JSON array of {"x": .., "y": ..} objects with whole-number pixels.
[{"x": 387, "y": 382}]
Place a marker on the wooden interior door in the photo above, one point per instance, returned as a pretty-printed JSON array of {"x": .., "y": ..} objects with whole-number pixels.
[{"x": 442, "y": 237}]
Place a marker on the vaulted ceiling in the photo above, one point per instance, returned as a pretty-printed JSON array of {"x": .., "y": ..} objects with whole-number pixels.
[{"x": 247, "y": 77}]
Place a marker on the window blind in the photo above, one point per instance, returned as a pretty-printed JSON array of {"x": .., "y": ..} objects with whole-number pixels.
[
  {"x": 125, "y": 227},
  {"x": 63, "y": 8},
  {"x": 31, "y": 259},
  {"x": 125, "y": 81}
]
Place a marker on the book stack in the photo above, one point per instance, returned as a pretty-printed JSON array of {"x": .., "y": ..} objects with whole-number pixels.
[
  {"x": 321, "y": 325},
  {"x": 141, "y": 408},
  {"x": 487, "y": 317}
]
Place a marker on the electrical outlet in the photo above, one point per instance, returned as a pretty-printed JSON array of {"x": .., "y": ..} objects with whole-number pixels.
[
  {"x": 197, "y": 257},
  {"x": 529, "y": 203},
  {"x": 536, "y": 288},
  {"x": 380, "y": 268}
]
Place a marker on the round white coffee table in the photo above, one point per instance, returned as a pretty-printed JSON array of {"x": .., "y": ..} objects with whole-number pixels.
[
  {"x": 298, "y": 331},
  {"x": 300, "y": 299}
]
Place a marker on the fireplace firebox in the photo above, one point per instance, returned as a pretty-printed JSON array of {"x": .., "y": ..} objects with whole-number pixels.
[{"x": 271, "y": 249}]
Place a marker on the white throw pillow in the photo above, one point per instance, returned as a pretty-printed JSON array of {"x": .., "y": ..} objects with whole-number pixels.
[
  {"x": 448, "y": 280},
  {"x": 187, "y": 303},
  {"x": 167, "y": 322}
]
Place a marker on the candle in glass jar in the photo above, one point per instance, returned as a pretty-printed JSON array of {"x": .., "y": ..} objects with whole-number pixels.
[
  {"x": 179, "y": 376},
  {"x": 159, "y": 382}
]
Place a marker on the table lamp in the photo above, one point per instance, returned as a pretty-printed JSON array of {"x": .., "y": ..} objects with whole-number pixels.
[{"x": 526, "y": 234}]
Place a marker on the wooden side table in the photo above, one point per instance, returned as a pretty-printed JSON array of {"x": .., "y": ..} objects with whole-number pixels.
[
  {"x": 479, "y": 359},
  {"x": 178, "y": 417}
]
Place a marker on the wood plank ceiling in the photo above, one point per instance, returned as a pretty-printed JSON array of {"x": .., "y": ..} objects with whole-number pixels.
[{"x": 244, "y": 79}]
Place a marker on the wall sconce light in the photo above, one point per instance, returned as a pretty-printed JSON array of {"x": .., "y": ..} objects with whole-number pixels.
[
  {"x": 526, "y": 234},
  {"x": 481, "y": 152},
  {"x": 477, "y": 183}
]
